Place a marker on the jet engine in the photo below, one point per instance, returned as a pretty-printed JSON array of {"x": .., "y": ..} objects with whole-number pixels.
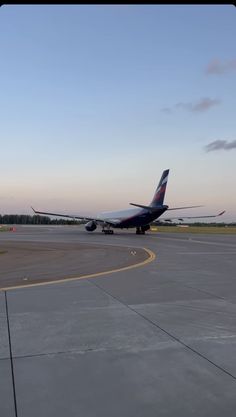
[{"x": 91, "y": 226}]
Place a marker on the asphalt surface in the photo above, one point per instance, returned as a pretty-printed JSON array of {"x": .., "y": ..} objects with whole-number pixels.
[
  {"x": 157, "y": 340},
  {"x": 34, "y": 262}
]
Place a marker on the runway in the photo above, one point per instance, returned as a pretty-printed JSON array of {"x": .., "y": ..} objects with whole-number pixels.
[{"x": 154, "y": 340}]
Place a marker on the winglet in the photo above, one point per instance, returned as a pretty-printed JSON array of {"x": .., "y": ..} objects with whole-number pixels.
[
  {"x": 33, "y": 209},
  {"x": 222, "y": 212}
]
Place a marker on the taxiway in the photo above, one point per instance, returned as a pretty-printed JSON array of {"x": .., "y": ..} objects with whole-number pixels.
[{"x": 154, "y": 340}]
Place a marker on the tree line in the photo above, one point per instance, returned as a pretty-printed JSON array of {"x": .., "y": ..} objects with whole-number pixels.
[
  {"x": 197, "y": 224},
  {"x": 35, "y": 219},
  {"x": 27, "y": 219}
]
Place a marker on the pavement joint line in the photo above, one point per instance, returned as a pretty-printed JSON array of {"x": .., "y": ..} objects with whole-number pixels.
[
  {"x": 204, "y": 292},
  {"x": 11, "y": 357},
  {"x": 150, "y": 258},
  {"x": 173, "y": 337},
  {"x": 80, "y": 351},
  {"x": 186, "y": 346}
]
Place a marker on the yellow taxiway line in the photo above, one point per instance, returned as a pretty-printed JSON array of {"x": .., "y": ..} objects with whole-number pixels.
[{"x": 151, "y": 258}]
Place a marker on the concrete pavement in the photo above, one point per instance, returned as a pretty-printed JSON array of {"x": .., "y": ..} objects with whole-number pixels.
[{"x": 158, "y": 340}]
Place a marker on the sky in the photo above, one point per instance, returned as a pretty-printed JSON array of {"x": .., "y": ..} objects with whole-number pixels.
[{"x": 96, "y": 101}]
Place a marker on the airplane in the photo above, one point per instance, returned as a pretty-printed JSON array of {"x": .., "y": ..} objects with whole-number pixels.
[{"x": 140, "y": 217}]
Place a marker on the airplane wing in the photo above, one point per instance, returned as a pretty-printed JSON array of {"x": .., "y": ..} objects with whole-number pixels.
[
  {"x": 70, "y": 216},
  {"x": 192, "y": 217},
  {"x": 112, "y": 222}
]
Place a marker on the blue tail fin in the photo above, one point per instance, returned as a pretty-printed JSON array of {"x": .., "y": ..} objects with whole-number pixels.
[{"x": 160, "y": 191}]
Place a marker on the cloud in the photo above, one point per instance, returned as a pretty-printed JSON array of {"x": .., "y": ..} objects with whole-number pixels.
[
  {"x": 200, "y": 106},
  {"x": 220, "y": 144},
  {"x": 217, "y": 67},
  {"x": 204, "y": 104},
  {"x": 166, "y": 110}
]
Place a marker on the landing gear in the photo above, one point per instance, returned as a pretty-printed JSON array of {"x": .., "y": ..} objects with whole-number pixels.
[
  {"x": 140, "y": 231},
  {"x": 108, "y": 231}
]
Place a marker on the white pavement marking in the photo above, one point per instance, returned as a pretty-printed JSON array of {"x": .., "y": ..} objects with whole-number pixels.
[{"x": 206, "y": 253}]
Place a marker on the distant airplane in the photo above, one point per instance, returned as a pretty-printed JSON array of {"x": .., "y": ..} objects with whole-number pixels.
[{"x": 139, "y": 218}]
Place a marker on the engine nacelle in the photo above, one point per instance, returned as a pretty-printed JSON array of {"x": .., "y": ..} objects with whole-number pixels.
[
  {"x": 91, "y": 226},
  {"x": 145, "y": 228}
]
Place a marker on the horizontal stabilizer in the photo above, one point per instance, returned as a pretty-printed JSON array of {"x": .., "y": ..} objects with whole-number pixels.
[
  {"x": 151, "y": 209},
  {"x": 181, "y": 208}
]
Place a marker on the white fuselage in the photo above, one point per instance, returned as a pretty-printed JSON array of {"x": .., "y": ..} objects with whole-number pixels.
[{"x": 118, "y": 215}]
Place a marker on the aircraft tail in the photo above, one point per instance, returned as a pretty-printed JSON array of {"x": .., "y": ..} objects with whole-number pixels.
[{"x": 159, "y": 195}]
